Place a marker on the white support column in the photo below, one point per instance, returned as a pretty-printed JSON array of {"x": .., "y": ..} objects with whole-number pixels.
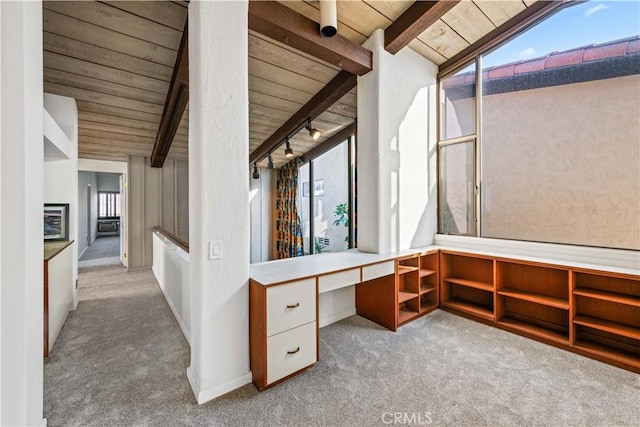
[
  {"x": 397, "y": 190},
  {"x": 218, "y": 196},
  {"x": 21, "y": 203}
]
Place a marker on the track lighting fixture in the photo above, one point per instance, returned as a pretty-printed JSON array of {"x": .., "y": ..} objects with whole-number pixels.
[
  {"x": 313, "y": 132},
  {"x": 256, "y": 174},
  {"x": 270, "y": 162},
  {"x": 288, "y": 152}
]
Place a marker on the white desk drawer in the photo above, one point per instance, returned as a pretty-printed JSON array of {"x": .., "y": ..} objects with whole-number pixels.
[
  {"x": 338, "y": 280},
  {"x": 290, "y": 305},
  {"x": 291, "y": 351},
  {"x": 381, "y": 269}
]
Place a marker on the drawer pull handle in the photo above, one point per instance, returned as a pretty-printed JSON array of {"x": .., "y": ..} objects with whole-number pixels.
[
  {"x": 296, "y": 305},
  {"x": 293, "y": 351}
]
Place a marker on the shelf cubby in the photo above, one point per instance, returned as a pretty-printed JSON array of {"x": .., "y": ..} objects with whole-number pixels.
[
  {"x": 428, "y": 301},
  {"x": 535, "y": 283},
  {"x": 429, "y": 265},
  {"x": 608, "y": 288},
  {"x": 408, "y": 265},
  {"x": 408, "y": 310},
  {"x": 610, "y": 347},
  {"x": 535, "y": 319},
  {"x": 466, "y": 284},
  {"x": 608, "y": 316},
  {"x": 467, "y": 267}
]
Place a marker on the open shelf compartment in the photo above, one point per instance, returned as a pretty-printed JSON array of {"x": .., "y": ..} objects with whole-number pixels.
[
  {"x": 608, "y": 316},
  {"x": 608, "y": 288},
  {"x": 533, "y": 283},
  {"x": 408, "y": 310},
  {"x": 609, "y": 347},
  {"x": 543, "y": 321}
]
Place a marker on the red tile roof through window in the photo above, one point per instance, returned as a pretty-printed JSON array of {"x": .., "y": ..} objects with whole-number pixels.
[{"x": 594, "y": 52}]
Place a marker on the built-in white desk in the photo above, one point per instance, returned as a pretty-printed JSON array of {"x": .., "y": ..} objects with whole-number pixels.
[{"x": 286, "y": 270}]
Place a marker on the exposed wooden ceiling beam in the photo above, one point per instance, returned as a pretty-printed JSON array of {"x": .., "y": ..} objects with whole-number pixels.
[
  {"x": 329, "y": 143},
  {"x": 175, "y": 104},
  {"x": 513, "y": 26},
  {"x": 339, "y": 86},
  {"x": 420, "y": 16},
  {"x": 280, "y": 23}
]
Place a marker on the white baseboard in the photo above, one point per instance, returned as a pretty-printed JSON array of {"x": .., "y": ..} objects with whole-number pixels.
[
  {"x": 80, "y": 255},
  {"x": 203, "y": 396},
  {"x": 183, "y": 328},
  {"x": 337, "y": 317}
]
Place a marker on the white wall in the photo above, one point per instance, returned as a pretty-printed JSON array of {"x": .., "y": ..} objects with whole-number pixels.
[
  {"x": 21, "y": 178},
  {"x": 108, "y": 181},
  {"x": 171, "y": 268},
  {"x": 219, "y": 196},
  {"x": 61, "y": 176},
  {"x": 397, "y": 202}
]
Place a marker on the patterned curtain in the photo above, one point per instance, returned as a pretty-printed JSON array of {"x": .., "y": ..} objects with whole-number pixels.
[{"x": 288, "y": 227}]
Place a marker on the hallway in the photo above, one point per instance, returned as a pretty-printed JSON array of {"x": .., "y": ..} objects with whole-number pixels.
[{"x": 120, "y": 355}]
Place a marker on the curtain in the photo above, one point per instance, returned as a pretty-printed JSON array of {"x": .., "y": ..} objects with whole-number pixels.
[{"x": 288, "y": 227}]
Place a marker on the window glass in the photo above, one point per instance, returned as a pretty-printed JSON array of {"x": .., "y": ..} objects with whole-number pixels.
[
  {"x": 331, "y": 198},
  {"x": 458, "y": 104},
  {"x": 457, "y": 199},
  {"x": 561, "y": 130},
  {"x": 108, "y": 204},
  {"x": 304, "y": 206}
]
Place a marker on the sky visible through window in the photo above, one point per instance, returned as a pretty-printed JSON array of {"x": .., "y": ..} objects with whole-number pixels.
[{"x": 583, "y": 24}]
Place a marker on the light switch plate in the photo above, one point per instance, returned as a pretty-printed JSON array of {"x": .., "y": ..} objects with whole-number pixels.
[{"x": 215, "y": 249}]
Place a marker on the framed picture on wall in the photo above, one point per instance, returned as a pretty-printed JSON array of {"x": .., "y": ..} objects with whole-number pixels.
[{"x": 56, "y": 221}]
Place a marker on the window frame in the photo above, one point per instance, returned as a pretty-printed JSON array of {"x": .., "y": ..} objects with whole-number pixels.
[
  {"x": 113, "y": 205},
  {"x": 475, "y": 137}
]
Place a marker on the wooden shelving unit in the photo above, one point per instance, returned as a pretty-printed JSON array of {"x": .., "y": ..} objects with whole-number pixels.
[
  {"x": 607, "y": 317},
  {"x": 428, "y": 281},
  {"x": 594, "y": 313},
  {"x": 533, "y": 299},
  {"x": 417, "y": 286},
  {"x": 408, "y": 289},
  {"x": 467, "y": 284}
]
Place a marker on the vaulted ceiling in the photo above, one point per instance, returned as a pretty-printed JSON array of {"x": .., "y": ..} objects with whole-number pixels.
[{"x": 116, "y": 59}]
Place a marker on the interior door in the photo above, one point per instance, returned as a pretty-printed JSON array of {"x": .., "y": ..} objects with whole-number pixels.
[{"x": 123, "y": 220}]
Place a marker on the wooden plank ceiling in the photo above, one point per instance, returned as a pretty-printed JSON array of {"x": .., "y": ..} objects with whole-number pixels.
[{"x": 116, "y": 60}]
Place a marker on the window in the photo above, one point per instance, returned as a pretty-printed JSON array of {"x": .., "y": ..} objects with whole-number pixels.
[
  {"x": 556, "y": 156},
  {"x": 325, "y": 201},
  {"x": 457, "y": 153},
  {"x": 108, "y": 204}
]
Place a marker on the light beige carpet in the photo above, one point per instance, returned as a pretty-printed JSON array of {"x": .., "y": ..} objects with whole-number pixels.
[{"x": 121, "y": 360}]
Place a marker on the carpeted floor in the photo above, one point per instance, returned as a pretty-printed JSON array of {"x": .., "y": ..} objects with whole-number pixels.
[
  {"x": 102, "y": 247},
  {"x": 121, "y": 360}
]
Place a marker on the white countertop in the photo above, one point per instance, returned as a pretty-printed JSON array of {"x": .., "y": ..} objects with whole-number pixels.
[
  {"x": 559, "y": 263},
  {"x": 286, "y": 270}
]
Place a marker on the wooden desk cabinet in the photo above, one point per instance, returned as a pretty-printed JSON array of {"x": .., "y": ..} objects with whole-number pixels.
[{"x": 283, "y": 330}]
